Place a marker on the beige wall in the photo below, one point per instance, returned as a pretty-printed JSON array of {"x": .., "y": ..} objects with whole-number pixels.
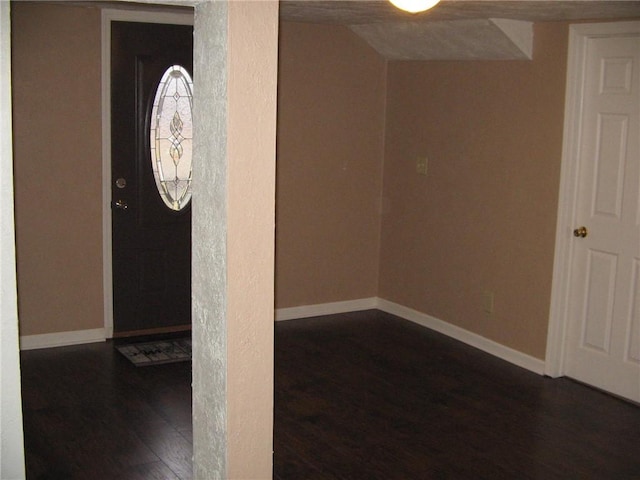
[
  {"x": 330, "y": 148},
  {"x": 251, "y": 179},
  {"x": 57, "y": 157},
  {"x": 484, "y": 217},
  {"x": 331, "y": 93}
]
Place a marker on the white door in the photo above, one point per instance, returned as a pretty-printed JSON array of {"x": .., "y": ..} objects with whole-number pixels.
[{"x": 603, "y": 330}]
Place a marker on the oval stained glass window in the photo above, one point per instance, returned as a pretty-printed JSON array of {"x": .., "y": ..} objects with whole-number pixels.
[{"x": 171, "y": 137}]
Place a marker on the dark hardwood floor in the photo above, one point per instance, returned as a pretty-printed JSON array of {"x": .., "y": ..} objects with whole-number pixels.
[
  {"x": 90, "y": 414},
  {"x": 357, "y": 396},
  {"x": 367, "y": 395}
]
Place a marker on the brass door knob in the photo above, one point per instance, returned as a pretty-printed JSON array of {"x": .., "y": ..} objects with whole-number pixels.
[
  {"x": 580, "y": 232},
  {"x": 121, "y": 204}
]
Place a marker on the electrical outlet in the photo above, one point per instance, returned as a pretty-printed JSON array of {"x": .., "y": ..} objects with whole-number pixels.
[
  {"x": 487, "y": 302},
  {"x": 421, "y": 165}
]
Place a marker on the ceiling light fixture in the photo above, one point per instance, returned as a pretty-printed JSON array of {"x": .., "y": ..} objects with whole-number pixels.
[{"x": 414, "y": 6}]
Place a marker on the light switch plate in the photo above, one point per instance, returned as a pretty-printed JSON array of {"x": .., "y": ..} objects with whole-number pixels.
[
  {"x": 487, "y": 302},
  {"x": 421, "y": 165}
]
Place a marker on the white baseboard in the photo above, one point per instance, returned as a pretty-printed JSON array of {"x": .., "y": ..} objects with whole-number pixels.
[
  {"x": 62, "y": 339},
  {"x": 307, "y": 311},
  {"x": 489, "y": 346},
  {"x": 473, "y": 339},
  {"x": 48, "y": 340}
]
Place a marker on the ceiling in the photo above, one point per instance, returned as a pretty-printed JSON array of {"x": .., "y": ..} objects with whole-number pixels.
[
  {"x": 454, "y": 29},
  {"x": 357, "y": 12}
]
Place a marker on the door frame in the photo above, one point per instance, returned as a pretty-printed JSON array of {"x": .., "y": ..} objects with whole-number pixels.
[
  {"x": 579, "y": 35},
  {"x": 108, "y": 16}
]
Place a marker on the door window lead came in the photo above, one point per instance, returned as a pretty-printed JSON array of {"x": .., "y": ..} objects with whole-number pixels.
[{"x": 171, "y": 137}]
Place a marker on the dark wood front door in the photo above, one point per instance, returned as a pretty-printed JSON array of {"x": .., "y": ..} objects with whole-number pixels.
[{"x": 151, "y": 241}]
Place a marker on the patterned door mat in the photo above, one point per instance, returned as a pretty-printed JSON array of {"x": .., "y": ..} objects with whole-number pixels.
[{"x": 156, "y": 353}]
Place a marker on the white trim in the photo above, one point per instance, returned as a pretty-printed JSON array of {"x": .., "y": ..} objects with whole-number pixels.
[
  {"x": 489, "y": 346},
  {"x": 578, "y": 38},
  {"x": 108, "y": 16},
  {"x": 307, "y": 311},
  {"x": 12, "y": 463},
  {"x": 566, "y": 212},
  {"x": 62, "y": 339}
]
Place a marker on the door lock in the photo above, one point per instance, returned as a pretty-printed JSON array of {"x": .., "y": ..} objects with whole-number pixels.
[{"x": 581, "y": 232}]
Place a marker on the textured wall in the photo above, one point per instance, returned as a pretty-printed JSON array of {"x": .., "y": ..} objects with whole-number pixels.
[
  {"x": 331, "y": 92},
  {"x": 58, "y": 161},
  {"x": 233, "y": 238},
  {"x": 484, "y": 217},
  {"x": 209, "y": 230},
  {"x": 253, "y": 74}
]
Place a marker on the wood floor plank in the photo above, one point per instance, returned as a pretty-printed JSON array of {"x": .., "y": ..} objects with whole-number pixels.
[
  {"x": 173, "y": 449},
  {"x": 401, "y": 401},
  {"x": 149, "y": 471},
  {"x": 89, "y": 413},
  {"x": 357, "y": 396}
]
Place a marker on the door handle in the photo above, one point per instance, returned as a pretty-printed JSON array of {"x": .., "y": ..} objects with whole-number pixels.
[
  {"x": 581, "y": 232},
  {"x": 121, "y": 204}
]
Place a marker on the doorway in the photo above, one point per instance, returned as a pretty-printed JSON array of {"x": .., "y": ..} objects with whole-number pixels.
[
  {"x": 151, "y": 148},
  {"x": 595, "y": 321},
  {"x": 146, "y": 245}
]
